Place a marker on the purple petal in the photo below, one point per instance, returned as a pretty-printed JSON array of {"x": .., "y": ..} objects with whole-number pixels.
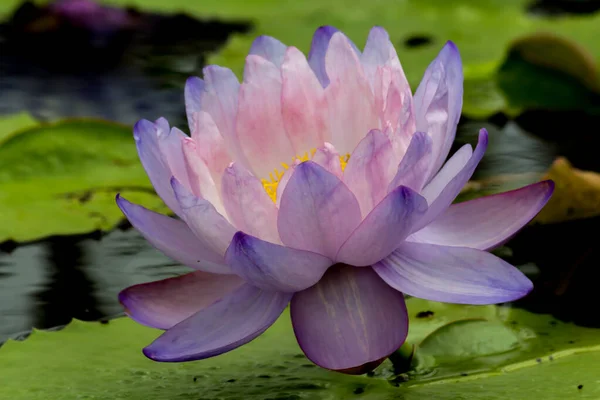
[
  {"x": 317, "y": 211},
  {"x": 194, "y": 87},
  {"x": 210, "y": 227},
  {"x": 318, "y": 49},
  {"x": 269, "y": 48},
  {"x": 380, "y": 233},
  {"x": 349, "y": 319},
  {"x": 486, "y": 222},
  {"x": 438, "y": 102},
  {"x": 370, "y": 169},
  {"x": 452, "y": 274},
  {"x": 452, "y": 167},
  {"x": 248, "y": 206},
  {"x": 453, "y": 188},
  {"x": 412, "y": 170},
  {"x": 171, "y": 147},
  {"x": 273, "y": 267},
  {"x": 165, "y": 303},
  {"x": 146, "y": 135},
  {"x": 235, "y": 320},
  {"x": 174, "y": 238}
]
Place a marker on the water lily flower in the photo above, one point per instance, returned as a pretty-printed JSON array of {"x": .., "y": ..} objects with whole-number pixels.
[{"x": 321, "y": 183}]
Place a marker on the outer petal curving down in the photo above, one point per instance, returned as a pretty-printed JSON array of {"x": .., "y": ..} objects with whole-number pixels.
[
  {"x": 349, "y": 321},
  {"x": 235, "y": 320}
]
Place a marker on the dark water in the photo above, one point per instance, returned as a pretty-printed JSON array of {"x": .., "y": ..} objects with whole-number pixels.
[
  {"x": 45, "y": 284},
  {"x": 55, "y": 66}
]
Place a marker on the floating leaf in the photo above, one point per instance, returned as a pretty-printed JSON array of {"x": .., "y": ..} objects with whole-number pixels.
[
  {"x": 14, "y": 123},
  {"x": 62, "y": 179},
  {"x": 465, "y": 339},
  {"x": 104, "y": 361}
]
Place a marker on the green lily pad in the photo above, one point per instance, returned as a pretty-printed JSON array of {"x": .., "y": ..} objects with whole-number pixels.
[
  {"x": 62, "y": 179},
  {"x": 469, "y": 338},
  {"x": 104, "y": 361},
  {"x": 12, "y": 124}
]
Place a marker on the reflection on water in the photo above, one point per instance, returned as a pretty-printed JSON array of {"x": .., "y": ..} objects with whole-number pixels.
[{"x": 44, "y": 285}]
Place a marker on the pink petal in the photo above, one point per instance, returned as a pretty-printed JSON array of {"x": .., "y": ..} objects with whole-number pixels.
[
  {"x": 302, "y": 103},
  {"x": 269, "y": 48},
  {"x": 317, "y": 211},
  {"x": 273, "y": 267},
  {"x": 349, "y": 97},
  {"x": 220, "y": 100},
  {"x": 440, "y": 203},
  {"x": 318, "y": 49},
  {"x": 398, "y": 117},
  {"x": 248, "y": 206},
  {"x": 211, "y": 146},
  {"x": 414, "y": 166},
  {"x": 165, "y": 303},
  {"x": 382, "y": 231},
  {"x": 260, "y": 128},
  {"x": 350, "y": 320},
  {"x": 173, "y": 238},
  {"x": 370, "y": 170},
  {"x": 486, "y": 222},
  {"x": 235, "y": 320},
  {"x": 328, "y": 158},
  {"x": 201, "y": 182},
  {"x": 379, "y": 51},
  {"x": 452, "y": 274},
  {"x": 209, "y": 226},
  {"x": 438, "y": 102}
]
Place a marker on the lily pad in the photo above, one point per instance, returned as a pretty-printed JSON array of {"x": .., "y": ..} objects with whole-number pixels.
[
  {"x": 62, "y": 178},
  {"x": 465, "y": 339},
  {"x": 103, "y": 361},
  {"x": 11, "y": 124}
]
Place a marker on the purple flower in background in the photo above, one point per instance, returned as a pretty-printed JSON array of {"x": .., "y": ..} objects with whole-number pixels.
[
  {"x": 91, "y": 15},
  {"x": 319, "y": 182}
]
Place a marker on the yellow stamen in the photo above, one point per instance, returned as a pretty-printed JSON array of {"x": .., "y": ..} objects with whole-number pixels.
[{"x": 270, "y": 184}]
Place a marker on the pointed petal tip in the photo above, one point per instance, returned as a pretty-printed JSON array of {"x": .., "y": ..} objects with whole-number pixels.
[
  {"x": 193, "y": 80},
  {"x": 326, "y": 30},
  {"x": 550, "y": 185},
  {"x": 124, "y": 205},
  {"x": 151, "y": 354},
  {"x": 451, "y": 45},
  {"x": 140, "y": 127},
  {"x": 483, "y": 134}
]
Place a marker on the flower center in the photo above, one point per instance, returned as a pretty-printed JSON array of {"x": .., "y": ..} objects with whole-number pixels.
[{"x": 270, "y": 184}]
